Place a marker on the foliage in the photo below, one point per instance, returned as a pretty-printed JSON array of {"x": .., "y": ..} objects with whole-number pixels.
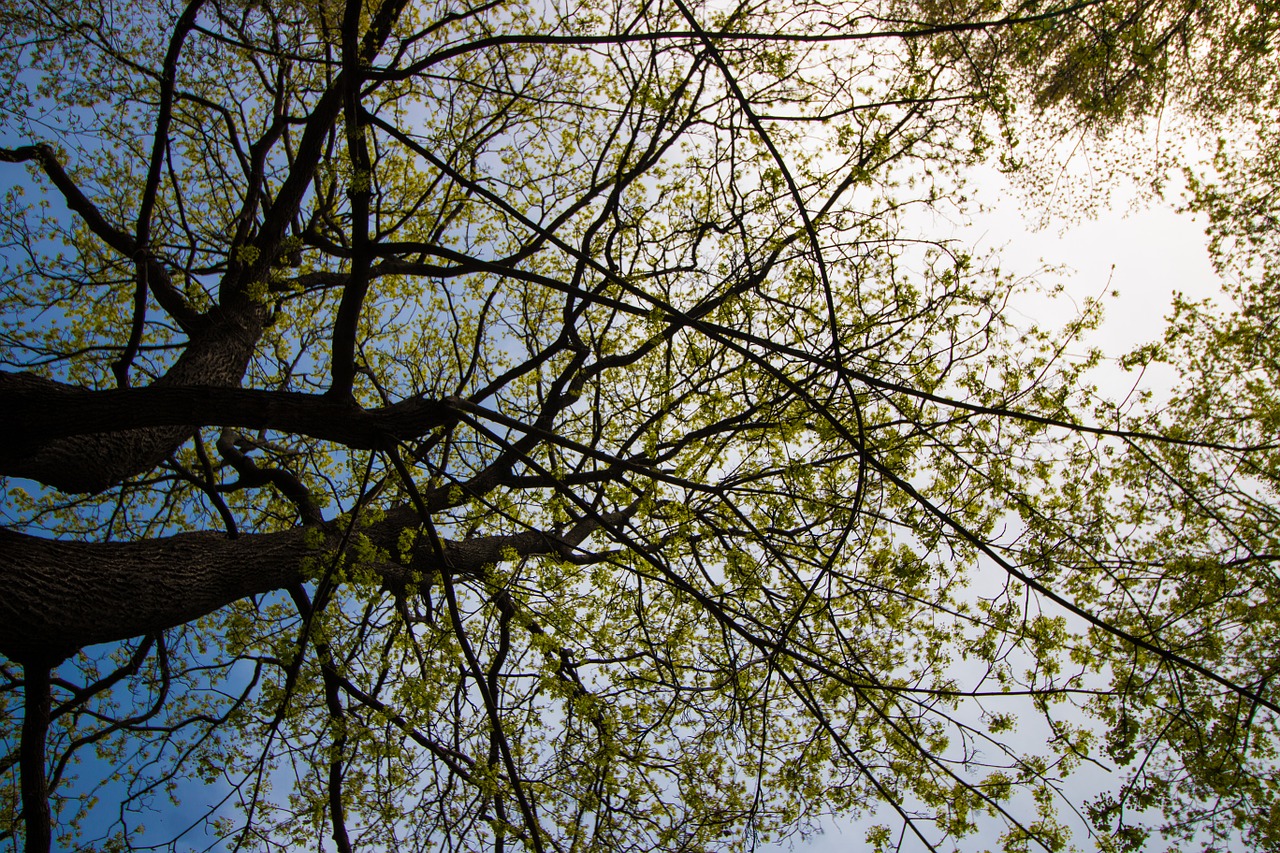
[{"x": 601, "y": 454}]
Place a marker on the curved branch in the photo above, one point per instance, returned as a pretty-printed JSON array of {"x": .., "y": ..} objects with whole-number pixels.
[
  {"x": 160, "y": 144},
  {"x": 286, "y": 481},
  {"x": 157, "y": 276}
]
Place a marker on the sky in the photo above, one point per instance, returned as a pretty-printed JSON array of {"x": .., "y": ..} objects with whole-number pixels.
[{"x": 1144, "y": 255}]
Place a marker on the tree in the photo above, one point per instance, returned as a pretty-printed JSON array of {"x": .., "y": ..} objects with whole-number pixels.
[
  {"x": 468, "y": 427},
  {"x": 1188, "y": 531}
]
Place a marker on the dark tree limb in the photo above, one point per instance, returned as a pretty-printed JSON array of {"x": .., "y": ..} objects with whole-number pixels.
[
  {"x": 36, "y": 818},
  {"x": 321, "y": 121},
  {"x": 37, "y": 415},
  {"x": 252, "y": 475},
  {"x": 61, "y": 596},
  {"x": 142, "y": 240},
  {"x": 360, "y": 193}
]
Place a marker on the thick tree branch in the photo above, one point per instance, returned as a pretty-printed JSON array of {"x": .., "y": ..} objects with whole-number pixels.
[
  {"x": 91, "y": 458},
  {"x": 61, "y": 596},
  {"x": 36, "y": 412}
]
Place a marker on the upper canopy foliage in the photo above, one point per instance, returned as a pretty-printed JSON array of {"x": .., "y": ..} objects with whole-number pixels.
[{"x": 446, "y": 426}]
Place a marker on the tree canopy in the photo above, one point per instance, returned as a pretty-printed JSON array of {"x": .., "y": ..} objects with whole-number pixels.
[{"x": 450, "y": 426}]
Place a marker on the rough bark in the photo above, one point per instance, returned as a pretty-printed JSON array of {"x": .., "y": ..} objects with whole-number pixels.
[
  {"x": 222, "y": 341},
  {"x": 92, "y": 461},
  {"x": 61, "y": 596}
]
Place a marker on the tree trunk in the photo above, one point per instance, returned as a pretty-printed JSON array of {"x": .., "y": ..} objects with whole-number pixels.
[
  {"x": 217, "y": 356},
  {"x": 36, "y": 817}
]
